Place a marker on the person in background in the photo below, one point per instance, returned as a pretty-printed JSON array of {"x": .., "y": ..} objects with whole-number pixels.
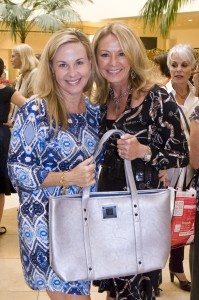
[
  {"x": 131, "y": 101},
  {"x": 160, "y": 61},
  {"x": 53, "y": 139},
  {"x": 7, "y": 95},
  {"x": 24, "y": 59},
  {"x": 3, "y": 76},
  {"x": 181, "y": 63},
  {"x": 194, "y": 161}
]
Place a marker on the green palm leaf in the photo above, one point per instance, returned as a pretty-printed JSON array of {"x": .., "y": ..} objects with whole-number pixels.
[
  {"x": 46, "y": 15},
  {"x": 161, "y": 14}
]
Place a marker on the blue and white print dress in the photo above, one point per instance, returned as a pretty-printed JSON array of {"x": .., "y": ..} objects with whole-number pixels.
[{"x": 35, "y": 150}]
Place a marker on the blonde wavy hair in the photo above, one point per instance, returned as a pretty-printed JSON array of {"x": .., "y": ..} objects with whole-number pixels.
[
  {"x": 46, "y": 86},
  {"x": 27, "y": 57},
  {"x": 135, "y": 52}
]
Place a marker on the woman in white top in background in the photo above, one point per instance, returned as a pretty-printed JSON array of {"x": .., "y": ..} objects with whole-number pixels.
[
  {"x": 181, "y": 63},
  {"x": 23, "y": 58}
]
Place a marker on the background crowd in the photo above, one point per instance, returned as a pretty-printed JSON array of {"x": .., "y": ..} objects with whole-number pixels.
[{"x": 63, "y": 104}]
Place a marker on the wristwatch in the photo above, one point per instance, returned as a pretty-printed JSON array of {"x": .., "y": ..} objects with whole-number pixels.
[{"x": 147, "y": 155}]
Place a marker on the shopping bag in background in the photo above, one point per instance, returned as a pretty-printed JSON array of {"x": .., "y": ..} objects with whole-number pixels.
[{"x": 183, "y": 219}]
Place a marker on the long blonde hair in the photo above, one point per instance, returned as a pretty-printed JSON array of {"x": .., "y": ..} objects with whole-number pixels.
[
  {"x": 133, "y": 49},
  {"x": 45, "y": 85},
  {"x": 27, "y": 57}
]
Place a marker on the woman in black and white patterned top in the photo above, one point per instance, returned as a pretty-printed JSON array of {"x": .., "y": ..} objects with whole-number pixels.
[{"x": 130, "y": 101}]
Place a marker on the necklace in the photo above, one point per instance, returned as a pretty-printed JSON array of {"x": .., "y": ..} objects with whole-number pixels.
[
  {"x": 117, "y": 100},
  {"x": 183, "y": 96}
]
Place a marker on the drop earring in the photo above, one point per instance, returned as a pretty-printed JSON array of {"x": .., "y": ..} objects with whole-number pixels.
[{"x": 132, "y": 74}]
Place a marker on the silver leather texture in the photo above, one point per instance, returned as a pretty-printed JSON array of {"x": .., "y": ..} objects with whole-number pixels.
[{"x": 109, "y": 234}]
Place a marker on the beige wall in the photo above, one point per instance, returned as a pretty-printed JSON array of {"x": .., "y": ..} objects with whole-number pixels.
[
  {"x": 188, "y": 36},
  {"x": 37, "y": 41}
]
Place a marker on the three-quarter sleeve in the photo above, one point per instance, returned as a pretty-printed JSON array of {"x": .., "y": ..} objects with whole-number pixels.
[
  {"x": 195, "y": 114},
  {"x": 24, "y": 166},
  {"x": 168, "y": 141}
]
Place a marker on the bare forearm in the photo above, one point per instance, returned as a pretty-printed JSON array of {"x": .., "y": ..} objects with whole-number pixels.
[{"x": 18, "y": 99}]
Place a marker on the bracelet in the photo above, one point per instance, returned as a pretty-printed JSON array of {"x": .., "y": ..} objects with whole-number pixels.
[
  {"x": 147, "y": 155},
  {"x": 62, "y": 182}
]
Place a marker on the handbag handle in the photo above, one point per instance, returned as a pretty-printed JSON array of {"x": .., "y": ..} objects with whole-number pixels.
[
  {"x": 127, "y": 164},
  {"x": 133, "y": 193},
  {"x": 106, "y": 136},
  {"x": 184, "y": 117}
]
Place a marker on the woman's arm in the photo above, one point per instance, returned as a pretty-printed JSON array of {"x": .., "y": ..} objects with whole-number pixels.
[
  {"x": 26, "y": 165},
  {"x": 194, "y": 144},
  {"x": 168, "y": 145},
  {"x": 82, "y": 175},
  {"x": 18, "y": 99}
]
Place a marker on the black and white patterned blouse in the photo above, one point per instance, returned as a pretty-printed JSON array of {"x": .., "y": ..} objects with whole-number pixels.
[{"x": 159, "y": 117}]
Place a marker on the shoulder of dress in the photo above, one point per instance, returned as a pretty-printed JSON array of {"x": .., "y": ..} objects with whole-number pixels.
[
  {"x": 159, "y": 92},
  {"x": 91, "y": 105},
  {"x": 34, "y": 104},
  {"x": 195, "y": 114}
]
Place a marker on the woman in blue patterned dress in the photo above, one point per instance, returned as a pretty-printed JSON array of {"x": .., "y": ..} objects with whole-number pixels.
[{"x": 53, "y": 139}]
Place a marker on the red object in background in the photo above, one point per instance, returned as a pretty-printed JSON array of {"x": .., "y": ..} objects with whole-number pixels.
[{"x": 183, "y": 219}]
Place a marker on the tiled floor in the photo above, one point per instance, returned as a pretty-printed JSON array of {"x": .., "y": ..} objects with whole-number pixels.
[{"x": 12, "y": 285}]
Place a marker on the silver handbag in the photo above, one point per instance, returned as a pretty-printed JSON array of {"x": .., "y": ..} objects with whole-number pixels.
[{"x": 109, "y": 234}]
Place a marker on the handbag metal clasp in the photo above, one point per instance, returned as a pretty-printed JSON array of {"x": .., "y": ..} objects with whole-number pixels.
[{"x": 109, "y": 212}]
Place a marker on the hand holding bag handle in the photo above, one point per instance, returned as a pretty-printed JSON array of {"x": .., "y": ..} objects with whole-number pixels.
[
  {"x": 131, "y": 186},
  {"x": 130, "y": 181},
  {"x": 119, "y": 233},
  {"x": 127, "y": 163}
]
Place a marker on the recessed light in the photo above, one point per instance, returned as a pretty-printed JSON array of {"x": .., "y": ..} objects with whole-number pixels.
[{"x": 190, "y": 20}]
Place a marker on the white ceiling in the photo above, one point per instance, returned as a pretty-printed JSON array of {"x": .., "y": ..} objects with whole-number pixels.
[{"x": 106, "y": 9}]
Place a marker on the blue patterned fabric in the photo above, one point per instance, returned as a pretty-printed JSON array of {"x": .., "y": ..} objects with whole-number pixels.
[{"x": 35, "y": 150}]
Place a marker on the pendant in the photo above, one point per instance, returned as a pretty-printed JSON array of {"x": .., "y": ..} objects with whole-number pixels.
[{"x": 117, "y": 106}]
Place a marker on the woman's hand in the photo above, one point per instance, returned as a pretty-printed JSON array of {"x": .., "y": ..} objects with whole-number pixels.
[
  {"x": 82, "y": 175},
  {"x": 130, "y": 148},
  {"x": 9, "y": 124},
  {"x": 164, "y": 178}
]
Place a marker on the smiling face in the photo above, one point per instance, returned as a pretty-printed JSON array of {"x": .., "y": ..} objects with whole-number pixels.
[
  {"x": 112, "y": 62},
  {"x": 72, "y": 68},
  {"x": 180, "y": 70}
]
